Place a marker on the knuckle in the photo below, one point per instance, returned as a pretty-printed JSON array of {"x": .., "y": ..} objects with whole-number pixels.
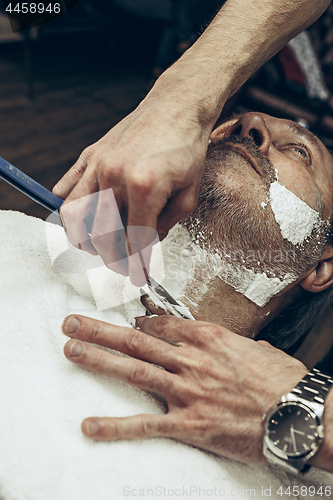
[
  {"x": 187, "y": 394},
  {"x": 142, "y": 184},
  {"x": 81, "y": 164},
  {"x": 110, "y": 174},
  {"x": 95, "y": 332},
  {"x": 205, "y": 335},
  {"x": 191, "y": 363},
  {"x": 135, "y": 341},
  {"x": 87, "y": 152},
  {"x": 114, "y": 430},
  {"x": 210, "y": 333},
  {"x": 84, "y": 159},
  {"x": 110, "y": 171},
  {"x": 147, "y": 427},
  {"x": 98, "y": 361},
  {"x": 139, "y": 373}
]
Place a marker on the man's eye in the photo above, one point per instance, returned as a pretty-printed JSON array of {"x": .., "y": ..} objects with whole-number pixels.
[{"x": 302, "y": 152}]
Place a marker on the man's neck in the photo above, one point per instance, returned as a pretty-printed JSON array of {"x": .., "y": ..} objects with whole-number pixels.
[
  {"x": 217, "y": 302},
  {"x": 205, "y": 286}
]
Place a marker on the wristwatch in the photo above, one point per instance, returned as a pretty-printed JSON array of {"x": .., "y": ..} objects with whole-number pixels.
[{"x": 293, "y": 428}]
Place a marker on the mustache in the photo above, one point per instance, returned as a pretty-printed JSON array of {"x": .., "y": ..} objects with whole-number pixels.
[{"x": 254, "y": 152}]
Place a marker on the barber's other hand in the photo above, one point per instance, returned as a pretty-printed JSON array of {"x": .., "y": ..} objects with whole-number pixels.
[
  {"x": 153, "y": 162},
  {"x": 217, "y": 384}
]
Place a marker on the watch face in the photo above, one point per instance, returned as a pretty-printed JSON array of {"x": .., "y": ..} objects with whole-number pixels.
[{"x": 293, "y": 430}]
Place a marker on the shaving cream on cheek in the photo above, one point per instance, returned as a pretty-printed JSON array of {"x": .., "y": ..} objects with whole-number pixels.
[
  {"x": 257, "y": 287},
  {"x": 295, "y": 218},
  {"x": 203, "y": 265}
]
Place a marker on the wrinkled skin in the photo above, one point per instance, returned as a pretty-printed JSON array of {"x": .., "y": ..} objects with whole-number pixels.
[
  {"x": 215, "y": 400},
  {"x": 155, "y": 179}
]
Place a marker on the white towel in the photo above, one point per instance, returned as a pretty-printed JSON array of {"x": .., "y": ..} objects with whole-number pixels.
[{"x": 44, "y": 397}]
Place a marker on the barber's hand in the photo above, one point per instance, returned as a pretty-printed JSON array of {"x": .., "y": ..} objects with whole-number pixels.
[
  {"x": 151, "y": 163},
  {"x": 217, "y": 384}
]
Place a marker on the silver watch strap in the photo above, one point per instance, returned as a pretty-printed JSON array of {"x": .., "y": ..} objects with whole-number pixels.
[
  {"x": 313, "y": 387},
  {"x": 295, "y": 466}
]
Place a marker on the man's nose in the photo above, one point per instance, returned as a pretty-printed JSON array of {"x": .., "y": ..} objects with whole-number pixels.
[{"x": 253, "y": 125}]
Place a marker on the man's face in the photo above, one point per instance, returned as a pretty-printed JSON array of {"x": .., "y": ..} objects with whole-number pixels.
[
  {"x": 302, "y": 161},
  {"x": 236, "y": 206}
]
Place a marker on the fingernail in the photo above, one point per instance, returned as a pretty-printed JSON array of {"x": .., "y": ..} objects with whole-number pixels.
[
  {"x": 71, "y": 325},
  {"x": 76, "y": 349},
  {"x": 92, "y": 428}
]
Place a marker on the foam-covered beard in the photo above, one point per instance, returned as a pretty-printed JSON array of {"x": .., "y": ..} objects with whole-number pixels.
[{"x": 235, "y": 224}]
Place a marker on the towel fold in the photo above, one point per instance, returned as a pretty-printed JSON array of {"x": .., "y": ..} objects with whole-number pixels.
[{"x": 44, "y": 398}]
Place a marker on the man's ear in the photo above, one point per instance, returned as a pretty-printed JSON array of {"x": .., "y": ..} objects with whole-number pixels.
[
  {"x": 220, "y": 131},
  {"x": 322, "y": 276}
]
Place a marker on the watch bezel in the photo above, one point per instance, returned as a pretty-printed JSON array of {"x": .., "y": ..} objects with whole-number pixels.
[{"x": 307, "y": 454}]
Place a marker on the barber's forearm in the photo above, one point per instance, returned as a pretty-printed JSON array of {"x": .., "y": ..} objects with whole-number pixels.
[{"x": 242, "y": 37}]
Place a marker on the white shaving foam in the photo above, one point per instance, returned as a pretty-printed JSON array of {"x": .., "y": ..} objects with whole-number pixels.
[
  {"x": 257, "y": 287},
  {"x": 295, "y": 218}
]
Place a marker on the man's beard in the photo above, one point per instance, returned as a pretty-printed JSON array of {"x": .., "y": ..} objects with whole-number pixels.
[{"x": 234, "y": 218}]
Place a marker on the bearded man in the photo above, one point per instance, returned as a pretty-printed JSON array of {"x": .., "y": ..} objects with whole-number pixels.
[{"x": 267, "y": 188}]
